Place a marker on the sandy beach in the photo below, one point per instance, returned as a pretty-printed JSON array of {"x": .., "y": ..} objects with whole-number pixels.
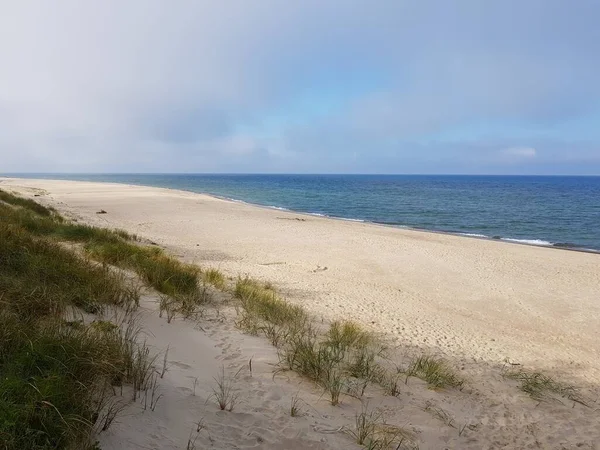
[
  {"x": 475, "y": 301},
  {"x": 468, "y": 297}
]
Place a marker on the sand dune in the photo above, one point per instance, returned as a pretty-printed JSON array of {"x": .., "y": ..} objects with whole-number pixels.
[{"x": 477, "y": 302}]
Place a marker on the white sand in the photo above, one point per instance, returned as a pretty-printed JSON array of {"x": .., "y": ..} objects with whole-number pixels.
[{"x": 477, "y": 301}]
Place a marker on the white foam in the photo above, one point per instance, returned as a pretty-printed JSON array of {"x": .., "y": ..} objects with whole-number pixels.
[
  {"x": 280, "y": 208},
  {"x": 349, "y": 220},
  {"x": 529, "y": 241},
  {"x": 236, "y": 200},
  {"x": 317, "y": 214},
  {"x": 473, "y": 235}
]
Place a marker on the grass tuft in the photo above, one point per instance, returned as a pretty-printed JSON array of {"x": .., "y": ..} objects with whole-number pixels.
[
  {"x": 214, "y": 277},
  {"x": 371, "y": 431},
  {"x": 540, "y": 386},
  {"x": 224, "y": 393},
  {"x": 435, "y": 371},
  {"x": 295, "y": 410}
]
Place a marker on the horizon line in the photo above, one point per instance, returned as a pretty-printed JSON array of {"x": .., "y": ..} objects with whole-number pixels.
[{"x": 3, "y": 174}]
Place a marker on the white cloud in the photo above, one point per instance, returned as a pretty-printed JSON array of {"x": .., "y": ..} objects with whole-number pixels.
[{"x": 520, "y": 152}]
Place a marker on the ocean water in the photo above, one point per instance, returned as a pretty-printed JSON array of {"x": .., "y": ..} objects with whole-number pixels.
[{"x": 551, "y": 211}]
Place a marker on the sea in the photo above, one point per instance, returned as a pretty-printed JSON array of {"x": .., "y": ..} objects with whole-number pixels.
[{"x": 557, "y": 211}]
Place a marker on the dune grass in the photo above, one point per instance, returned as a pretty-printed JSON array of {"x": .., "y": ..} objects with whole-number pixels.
[
  {"x": 165, "y": 274},
  {"x": 331, "y": 358},
  {"x": 371, "y": 431},
  {"x": 25, "y": 203},
  {"x": 435, "y": 371},
  {"x": 56, "y": 376},
  {"x": 540, "y": 386},
  {"x": 214, "y": 277},
  {"x": 116, "y": 247},
  {"x": 40, "y": 276}
]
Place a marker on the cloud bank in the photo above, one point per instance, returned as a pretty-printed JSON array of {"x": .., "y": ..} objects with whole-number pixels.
[{"x": 269, "y": 86}]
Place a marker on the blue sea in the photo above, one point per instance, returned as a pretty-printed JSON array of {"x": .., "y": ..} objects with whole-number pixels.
[{"x": 542, "y": 210}]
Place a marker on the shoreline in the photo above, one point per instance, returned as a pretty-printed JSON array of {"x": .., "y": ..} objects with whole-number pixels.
[
  {"x": 465, "y": 297},
  {"x": 505, "y": 240}
]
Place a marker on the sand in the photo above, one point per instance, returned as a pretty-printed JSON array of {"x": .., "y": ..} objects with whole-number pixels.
[{"x": 478, "y": 302}]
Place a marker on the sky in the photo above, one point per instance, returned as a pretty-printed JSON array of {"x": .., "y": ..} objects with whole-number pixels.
[{"x": 312, "y": 86}]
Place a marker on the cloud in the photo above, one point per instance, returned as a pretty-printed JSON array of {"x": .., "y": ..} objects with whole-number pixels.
[
  {"x": 520, "y": 152},
  {"x": 147, "y": 85}
]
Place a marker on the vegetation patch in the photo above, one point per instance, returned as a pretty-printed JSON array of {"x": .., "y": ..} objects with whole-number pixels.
[
  {"x": 371, "y": 431},
  {"x": 435, "y": 371},
  {"x": 540, "y": 386},
  {"x": 214, "y": 277},
  {"x": 26, "y": 203},
  {"x": 56, "y": 376},
  {"x": 342, "y": 360}
]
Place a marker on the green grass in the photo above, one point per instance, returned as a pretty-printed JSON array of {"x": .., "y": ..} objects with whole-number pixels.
[
  {"x": 57, "y": 376},
  {"x": 39, "y": 276},
  {"x": 435, "y": 371},
  {"x": 347, "y": 334},
  {"x": 25, "y": 203},
  {"x": 264, "y": 304},
  {"x": 214, "y": 277},
  {"x": 329, "y": 359},
  {"x": 117, "y": 247},
  {"x": 165, "y": 274}
]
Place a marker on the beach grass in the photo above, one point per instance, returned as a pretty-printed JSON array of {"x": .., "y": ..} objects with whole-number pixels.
[
  {"x": 540, "y": 386},
  {"x": 214, "y": 277},
  {"x": 435, "y": 371},
  {"x": 116, "y": 247},
  {"x": 224, "y": 392},
  {"x": 26, "y": 203},
  {"x": 372, "y": 432},
  {"x": 164, "y": 273},
  {"x": 330, "y": 358},
  {"x": 56, "y": 375}
]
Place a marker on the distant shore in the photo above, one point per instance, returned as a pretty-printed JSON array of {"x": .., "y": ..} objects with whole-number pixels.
[{"x": 477, "y": 298}]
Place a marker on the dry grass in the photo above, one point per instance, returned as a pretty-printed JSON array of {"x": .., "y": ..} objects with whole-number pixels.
[
  {"x": 295, "y": 410},
  {"x": 371, "y": 431},
  {"x": 224, "y": 393},
  {"x": 440, "y": 414}
]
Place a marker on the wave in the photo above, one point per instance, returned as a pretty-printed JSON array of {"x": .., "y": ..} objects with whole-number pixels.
[
  {"x": 280, "y": 208},
  {"x": 529, "y": 241},
  {"x": 473, "y": 235},
  {"x": 348, "y": 219}
]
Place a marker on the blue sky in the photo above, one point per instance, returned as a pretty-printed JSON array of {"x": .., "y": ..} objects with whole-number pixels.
[{"x": 265, "y": 86}]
